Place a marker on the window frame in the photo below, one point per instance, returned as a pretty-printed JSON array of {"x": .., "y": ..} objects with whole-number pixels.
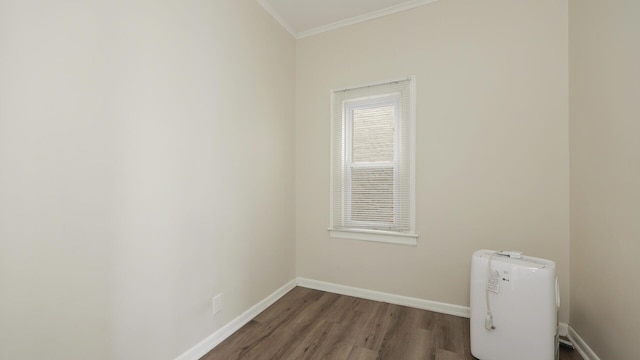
[{"x": 349, "y": 228}]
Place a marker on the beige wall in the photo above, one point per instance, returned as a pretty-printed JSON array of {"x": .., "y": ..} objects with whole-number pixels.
[
  {"x": 131, "y": 160},
  {"x": 146, "y": 164},
  {"x": 605, "y": 175},
  {"x": 492, "y": 142}
]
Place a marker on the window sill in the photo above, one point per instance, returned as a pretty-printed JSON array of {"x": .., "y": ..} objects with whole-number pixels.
[{"x": 388, "y": 237}]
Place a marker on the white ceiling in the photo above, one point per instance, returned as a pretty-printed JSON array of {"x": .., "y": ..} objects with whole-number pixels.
[{"x": 307, "y": 17}]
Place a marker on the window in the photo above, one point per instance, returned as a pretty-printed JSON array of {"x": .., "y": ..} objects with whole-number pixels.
[{"x": 372, "y": 162}]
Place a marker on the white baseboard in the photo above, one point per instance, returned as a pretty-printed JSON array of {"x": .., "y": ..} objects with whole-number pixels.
[
  {"x": 224, "y": 332},
  {"x": 563, "y": 329},
  {"x": 456, "y": 310},
  {"x": 581, "y": 346}
]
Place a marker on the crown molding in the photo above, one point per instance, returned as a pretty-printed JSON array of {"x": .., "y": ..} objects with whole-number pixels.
[
  {"x": 362, "y": 18},
  {"x": 342, "y": 23}
]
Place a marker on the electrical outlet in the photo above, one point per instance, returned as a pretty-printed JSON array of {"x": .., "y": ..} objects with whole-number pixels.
[{"x": 217, "y": 304}]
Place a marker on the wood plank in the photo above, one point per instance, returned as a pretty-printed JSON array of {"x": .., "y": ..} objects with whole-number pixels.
[
  {"x": 407, "y": 343},
  {"x": 363, "y": 354},
  {"x": 325, "y": 341},
  {"x": 442, "y": 354},
  {"x": 369, "y": 330}
]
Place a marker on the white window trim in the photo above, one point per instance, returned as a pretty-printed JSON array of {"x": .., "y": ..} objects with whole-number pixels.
[{"x": 391, "y": 237}]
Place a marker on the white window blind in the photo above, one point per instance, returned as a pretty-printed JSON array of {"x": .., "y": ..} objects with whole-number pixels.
[{"x": 372, "y": 185}]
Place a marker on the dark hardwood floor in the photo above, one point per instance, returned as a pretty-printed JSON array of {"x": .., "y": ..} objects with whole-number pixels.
[{"x": 311, "y": 324}]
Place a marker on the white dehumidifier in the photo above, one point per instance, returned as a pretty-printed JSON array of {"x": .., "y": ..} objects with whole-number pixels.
[{"x": 514, "y": 307}]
